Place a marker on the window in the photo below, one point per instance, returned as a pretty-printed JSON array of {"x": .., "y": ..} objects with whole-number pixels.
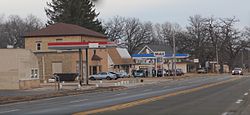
[
  {"x": 38, "y": 46},
  {"x": 59, "y": 40},
  {"x": 34, "y": 73},
  {"x": 94, "y": 52}
]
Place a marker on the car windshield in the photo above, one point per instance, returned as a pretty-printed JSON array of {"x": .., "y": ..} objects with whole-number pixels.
[
  {"x": 112, "y": 72},
  {"x": 237, "y": 69}
]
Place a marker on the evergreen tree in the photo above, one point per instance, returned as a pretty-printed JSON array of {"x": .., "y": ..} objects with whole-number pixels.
[{"x": 78, "y": 12}]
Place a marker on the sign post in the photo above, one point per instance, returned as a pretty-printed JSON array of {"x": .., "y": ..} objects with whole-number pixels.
[{"x": 158, "y": 55}]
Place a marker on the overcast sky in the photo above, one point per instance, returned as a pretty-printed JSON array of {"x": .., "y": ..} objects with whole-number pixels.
[{"x": 156, "y": 11}]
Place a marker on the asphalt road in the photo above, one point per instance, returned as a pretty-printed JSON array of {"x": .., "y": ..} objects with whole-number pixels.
[
  {"x": 212, "y": 101},
  {"x": 227, "y": 99}
]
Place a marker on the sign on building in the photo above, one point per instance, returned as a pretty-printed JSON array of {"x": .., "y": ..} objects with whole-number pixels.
[
  {"x": 159, "y": 54},
  {"x": 93, "y": 45},
  {"x": 196, "y": 60}
]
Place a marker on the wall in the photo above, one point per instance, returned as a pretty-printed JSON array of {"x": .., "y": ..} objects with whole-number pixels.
[
  {"x": 28, "y": 84},
  {"x": 15, "y": 65}
]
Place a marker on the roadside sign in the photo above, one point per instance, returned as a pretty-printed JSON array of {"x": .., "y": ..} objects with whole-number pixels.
[
  {"x": 159, "y": 54},
  {"x": 213, "y": 62},
  {"x": 196, "y": 60}
]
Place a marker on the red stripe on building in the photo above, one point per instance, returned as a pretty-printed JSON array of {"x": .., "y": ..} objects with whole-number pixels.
[{"x": 77, "y": 43}]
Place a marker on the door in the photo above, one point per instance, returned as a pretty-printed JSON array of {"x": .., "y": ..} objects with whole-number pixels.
[
  {"x": 57, "y": 67},
  {"x": 94, "y": 70}
]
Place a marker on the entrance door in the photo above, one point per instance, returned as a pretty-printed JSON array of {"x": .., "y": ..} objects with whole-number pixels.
[
  {"x": 94, "y": 69},
  {"x": 57, "y": 67}
]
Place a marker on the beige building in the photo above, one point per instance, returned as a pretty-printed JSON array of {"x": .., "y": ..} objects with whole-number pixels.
[
  {"x": 119, "y": 60},
  {"x": 65, "y": 61},
  {"x": 18, "y": 70}
]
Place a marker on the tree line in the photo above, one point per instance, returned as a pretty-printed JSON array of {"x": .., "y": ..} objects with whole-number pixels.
[{"x": 205, "y": 38}]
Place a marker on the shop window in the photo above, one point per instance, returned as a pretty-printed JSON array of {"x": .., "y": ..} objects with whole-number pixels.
[{"x": 59, "y": 40}]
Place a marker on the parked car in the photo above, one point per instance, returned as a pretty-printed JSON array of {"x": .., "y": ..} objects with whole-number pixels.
[
  {"x": 103, "y": 75},
  {"x": 179, "y": 72},
  {"x": 52, "y": 80},
  {"x": 169, "y": 73},
  {"x": 139, "y": 73},
  {"x": 117, "y": 74},
  {"x": 237, "y": 71},
  {"x": 122, "y": 74},
  {"x": 161, "y": 73},
  {"x": 202, "y": 70}
]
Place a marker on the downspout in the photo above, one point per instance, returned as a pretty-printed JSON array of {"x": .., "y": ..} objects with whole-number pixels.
[{"x": 43, "y": 62}]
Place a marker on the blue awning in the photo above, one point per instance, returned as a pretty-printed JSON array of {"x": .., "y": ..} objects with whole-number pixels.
[{"x": 167, "y": 56}]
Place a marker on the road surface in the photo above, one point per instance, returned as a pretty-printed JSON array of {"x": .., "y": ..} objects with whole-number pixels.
[{"x": 213, "y": 100}]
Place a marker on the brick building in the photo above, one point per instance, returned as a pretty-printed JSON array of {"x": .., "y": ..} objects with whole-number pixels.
[{"x": 65, "y": 61}]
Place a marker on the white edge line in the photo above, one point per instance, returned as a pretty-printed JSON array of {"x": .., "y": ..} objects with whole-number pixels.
[
  {"x": 77, "y": 101},
  {"x": 9, "y": 111}
]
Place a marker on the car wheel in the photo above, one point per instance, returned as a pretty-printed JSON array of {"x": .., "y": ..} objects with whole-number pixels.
[
  {"x": 92, "y": 78},
  {"x": 108, "y": 78}
]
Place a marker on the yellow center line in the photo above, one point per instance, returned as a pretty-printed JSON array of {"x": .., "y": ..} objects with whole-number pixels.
[{"x": 151, "y": 99}]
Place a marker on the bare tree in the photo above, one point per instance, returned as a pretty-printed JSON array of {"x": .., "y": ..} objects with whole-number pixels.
[
  {"x": 196, "y": 31},
  {"x": 15, "y": 27},
  {"x": 136, "y": 34},
  {"x": 232, "y": 41},
  {"x": 114, "y": 28},
  {"x": 130, "y": 32},
  {"x": 164, "y": 33}
]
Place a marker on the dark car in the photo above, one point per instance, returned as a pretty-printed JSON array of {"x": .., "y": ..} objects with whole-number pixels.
[
  {"x": 179, "y": 72},
  {"x": 160, "y": 73},
  {"x": 237, "y": 71},
  {"x": 169, "y": 73},
  {"x": 139, "y": 73}
]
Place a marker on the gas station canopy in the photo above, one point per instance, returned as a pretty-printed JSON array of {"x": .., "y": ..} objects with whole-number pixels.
[{"x": 80, "y": 45}]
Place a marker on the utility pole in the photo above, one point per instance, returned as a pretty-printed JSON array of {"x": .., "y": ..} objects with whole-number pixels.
[
  {"x": 242, "y": 58},
  {"x": 80, "y": 68},
  {"x": 87, "y": 67},
  {"x": 174, "y": 53}
]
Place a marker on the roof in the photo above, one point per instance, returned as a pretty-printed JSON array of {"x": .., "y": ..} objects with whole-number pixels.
[
  {"x": 123, "y": 52},
  {"x": 63, "y": 29},
  {"x": 156, "y": 47},
  {"x": 117, "y": 59},
  {"x": 96, "y": 58}
]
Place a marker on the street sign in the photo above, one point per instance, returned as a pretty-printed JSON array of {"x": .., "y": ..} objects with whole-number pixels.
[
  {"x": 93, "y": 45},
  {"x": 196, "y": 60},
  {"x": 159, "y": 54}
]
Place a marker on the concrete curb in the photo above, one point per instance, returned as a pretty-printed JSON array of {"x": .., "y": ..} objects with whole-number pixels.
[{"x": 14, "y": 99}]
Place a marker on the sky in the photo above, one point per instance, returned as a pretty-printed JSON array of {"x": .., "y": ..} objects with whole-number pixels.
[{"x": 156, "y": 11}]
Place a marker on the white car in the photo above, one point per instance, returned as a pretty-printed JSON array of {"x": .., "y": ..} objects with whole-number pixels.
[
  {"x": 237, "y": 71},
  {"x": 122, "y": 74},
  {"x": 103, "y": 75}
]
